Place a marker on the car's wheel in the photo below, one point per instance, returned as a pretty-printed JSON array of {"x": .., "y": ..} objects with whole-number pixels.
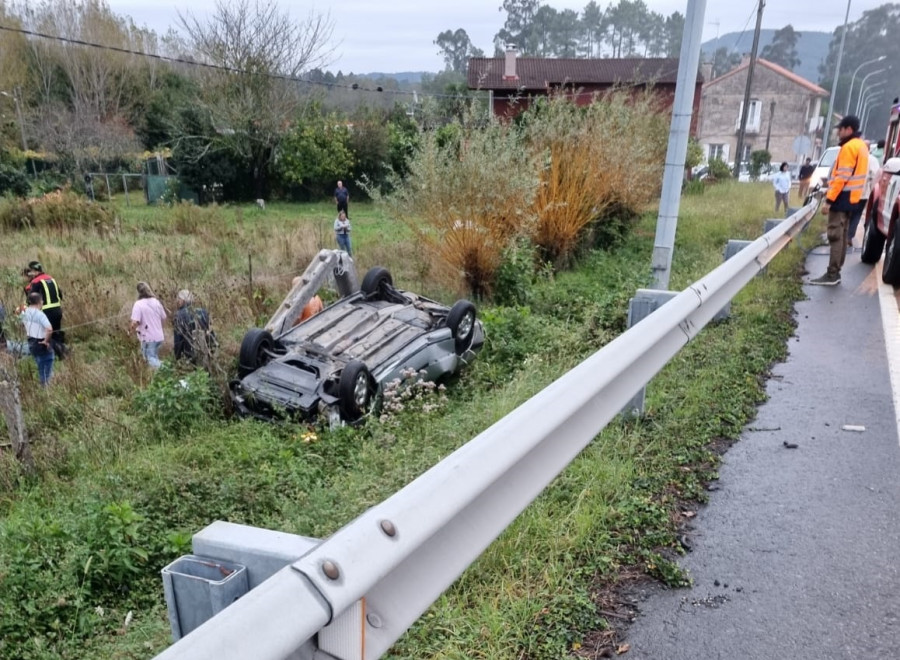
[
  {"x": 461, "y": 321},
  {"x": 375, "y": 281},
  {"x": 890, "y": 272},
  {"x": 256, "y": 349},
  {"x": 355, "y": 391},
  {"x": 873, "y": 242}
]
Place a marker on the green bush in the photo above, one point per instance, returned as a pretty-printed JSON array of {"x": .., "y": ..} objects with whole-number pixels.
[
  {"x": 176, "y": 403},
  {"x": 718, "y": 169},
  {"x": 59, "y": 210},
  {"x": 758, "y": 160},
  {"x": 13, "y": 180},
  {"x": 514, "y": 279},
  {"x": 693, "y": 187}
]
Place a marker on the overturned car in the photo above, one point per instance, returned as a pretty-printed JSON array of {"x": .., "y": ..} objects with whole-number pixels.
[{"x": 336, "y": 362}]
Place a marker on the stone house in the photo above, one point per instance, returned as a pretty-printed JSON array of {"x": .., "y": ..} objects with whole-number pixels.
[
  {"x": 784, "y": 114},
  {"x": 513, "y": 82}
]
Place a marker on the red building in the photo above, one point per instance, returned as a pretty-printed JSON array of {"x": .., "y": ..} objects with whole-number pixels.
[{"x": 513, "y": 81}]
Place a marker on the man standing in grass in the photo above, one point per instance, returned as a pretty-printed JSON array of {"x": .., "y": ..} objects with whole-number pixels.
[
  {"x": 845, "y": 191},
  {"x": 39, "y": 330},
  {"x": 342, "y": 197}
]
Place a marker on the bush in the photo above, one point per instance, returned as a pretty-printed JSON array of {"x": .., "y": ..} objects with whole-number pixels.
[
  {"x": 758, "y": 160},
  {"x": 693, "y": 187},
  {"x": 61, "y": 210},
  {"x": 718, "y": 169},
  {"x": 174, "y": 403},
  {"x": 13, "y": 180},
  {"x": 514, "y": 282}
]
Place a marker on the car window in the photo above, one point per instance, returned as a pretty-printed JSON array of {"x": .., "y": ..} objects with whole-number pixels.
[{"x": 829, "y": 157}]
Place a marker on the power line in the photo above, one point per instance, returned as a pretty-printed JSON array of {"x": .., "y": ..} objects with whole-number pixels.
[{"x": 227, "y": 69}]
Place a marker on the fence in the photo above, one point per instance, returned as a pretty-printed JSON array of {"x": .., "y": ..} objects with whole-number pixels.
[{"x": 352, "y": 595}]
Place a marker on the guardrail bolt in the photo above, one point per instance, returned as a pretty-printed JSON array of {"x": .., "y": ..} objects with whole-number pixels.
[
  {"x": 388, "y": 528},
  {"x": 331, "y": 570},
  {"x": 374, "y": 620}
]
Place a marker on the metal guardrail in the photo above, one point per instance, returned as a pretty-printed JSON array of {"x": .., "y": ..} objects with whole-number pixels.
[{"x": 366, "y": 585}]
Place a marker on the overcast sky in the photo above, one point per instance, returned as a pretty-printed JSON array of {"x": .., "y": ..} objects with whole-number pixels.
[{"x": 396, "y": 35}]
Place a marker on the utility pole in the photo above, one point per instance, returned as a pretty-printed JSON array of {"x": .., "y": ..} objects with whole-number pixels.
[
  {"x": 837, "y": 73},
  {"x": 679, "y": 130},
  {"x": 745, "y": 109}
]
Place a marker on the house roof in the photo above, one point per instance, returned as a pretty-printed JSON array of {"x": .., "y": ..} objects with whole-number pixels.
[
  {"x": 539, "y": 72},
  {"x": 777, "y": 68}
]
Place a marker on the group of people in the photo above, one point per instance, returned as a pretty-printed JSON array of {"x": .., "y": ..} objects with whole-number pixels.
[
  {"x": 192, "y": 333},
  {"x": 342, "y": 222},
  {"x": 41, "y": 317}
]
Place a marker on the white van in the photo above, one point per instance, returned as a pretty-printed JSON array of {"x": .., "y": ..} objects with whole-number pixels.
[{"x": 819, "y": 178}]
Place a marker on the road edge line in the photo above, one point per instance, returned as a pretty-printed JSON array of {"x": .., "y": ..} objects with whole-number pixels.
[{"x": 890, "y": 322}]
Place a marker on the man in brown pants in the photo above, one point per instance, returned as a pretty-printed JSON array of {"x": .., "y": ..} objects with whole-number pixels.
[{"x": 845, "y": 190}]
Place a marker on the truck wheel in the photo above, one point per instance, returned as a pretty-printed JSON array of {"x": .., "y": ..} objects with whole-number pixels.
[
  {"x": 375, "y": 282},
  {"x": 873, "y": 243},
  {"x": 256, "y": 349},
  {"x": 461, "y": 321},
  {"x": 890, "y": 272},
  {"x": 355, "y": 391}
]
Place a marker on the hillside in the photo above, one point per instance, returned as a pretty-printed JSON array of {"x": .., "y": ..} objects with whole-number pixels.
[{"x": 812, "y": 48}]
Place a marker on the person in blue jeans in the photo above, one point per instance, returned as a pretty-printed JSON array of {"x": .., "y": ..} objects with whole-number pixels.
[
  {"x": 342, "y": 232},
  {"x": 39, "y": 330}
]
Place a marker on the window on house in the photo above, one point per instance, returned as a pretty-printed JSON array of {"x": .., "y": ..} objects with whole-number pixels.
[
  {"x": 754, "y": 116},
  {"x": 717, "y": 151}
]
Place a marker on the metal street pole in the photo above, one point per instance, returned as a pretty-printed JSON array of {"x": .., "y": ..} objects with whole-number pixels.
[
  {"x": 870, "y": 103},
  {"x": 837, "y": 73},
  {"x": 853, "y": 79},
  {"x": 868, "y": 109},
  {"x": 15, "y": 97},
  {"x": 746, "y": 107},
  {"x": 863, "y": 91},
  {"x": 679, "y": 130}
]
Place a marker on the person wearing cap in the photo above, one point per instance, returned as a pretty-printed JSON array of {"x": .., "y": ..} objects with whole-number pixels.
[
  {"x": 147, "y": 316},
  {"x": 51, "y": 297},
  {"x": 193, "y": 337},
  {"x": 845, "y": 190}
]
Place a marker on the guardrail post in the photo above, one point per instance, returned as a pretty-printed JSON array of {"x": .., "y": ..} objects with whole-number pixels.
[
  {"x": 731, "y": 249},
  {"x": 644, "y": 303}
]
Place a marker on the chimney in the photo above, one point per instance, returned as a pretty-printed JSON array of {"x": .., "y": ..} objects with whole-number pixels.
[{"x": 509, "y": 70}]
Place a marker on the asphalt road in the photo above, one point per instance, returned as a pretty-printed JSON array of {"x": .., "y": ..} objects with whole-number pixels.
[{"x": 796, "y": 554}]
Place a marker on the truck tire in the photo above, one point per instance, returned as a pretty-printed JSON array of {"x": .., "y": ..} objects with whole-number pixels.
[
  {"x": 355, "y": 391},
  {"x": 873, "y": 242},
  {"x": 461, "y": 321},
  {"x": 256, "y": 349},
  {"x": 890, "y": 272}
]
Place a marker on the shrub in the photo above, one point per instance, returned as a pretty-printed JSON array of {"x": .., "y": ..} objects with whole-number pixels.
[
  {"x": 514, "y": 282},
  {"x": 176, "y": 403},
  {"x": 466, "y": 200},
  {"x": 718, "y": 169},
  {"x": 61, "y": 210},
  {"x": 605, "y": 156},
  {"x": 693, "y": 187},
  {"x": 13, "y": 180}
]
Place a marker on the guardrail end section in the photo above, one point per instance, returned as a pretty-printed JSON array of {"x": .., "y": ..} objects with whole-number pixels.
[{"x": 345, "y": 637}]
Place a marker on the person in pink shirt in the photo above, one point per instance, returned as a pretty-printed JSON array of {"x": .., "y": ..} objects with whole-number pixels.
[{"x": 147, "y": 316}]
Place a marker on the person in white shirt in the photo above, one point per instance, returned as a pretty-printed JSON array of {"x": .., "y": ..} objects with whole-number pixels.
[
  {"x": 782, "y": 183},
  {"x": 342, "y": 232},
  {"x": 38, "y": 329},
  {"x": 856, "y": 216}
]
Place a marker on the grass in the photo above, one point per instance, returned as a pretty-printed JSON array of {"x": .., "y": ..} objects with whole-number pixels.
[{"x": 118, "y": 491}]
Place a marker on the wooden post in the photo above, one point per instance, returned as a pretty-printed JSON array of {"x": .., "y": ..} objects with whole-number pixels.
[
  {"x": 125, "y": 188},
  {"x": 11, "y": 405}
]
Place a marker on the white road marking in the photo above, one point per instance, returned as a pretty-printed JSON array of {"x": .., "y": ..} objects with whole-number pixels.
[{"x": 890, "y": 322}]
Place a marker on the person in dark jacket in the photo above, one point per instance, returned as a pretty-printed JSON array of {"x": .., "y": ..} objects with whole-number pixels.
[
  {"x": 193, "y": 337},
  {"x": 51, "y": 296}
]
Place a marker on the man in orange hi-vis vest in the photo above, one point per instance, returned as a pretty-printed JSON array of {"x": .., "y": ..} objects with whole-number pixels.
[{"x": 845, "y": 189}]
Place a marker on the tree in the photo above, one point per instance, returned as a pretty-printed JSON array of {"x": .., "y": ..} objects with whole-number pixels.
[
  {"x": 674, "y": 33},
  {"x": 518, "y": 30},
  {"x": 783, "y": 48},
  {"x": 724, "y": 61},
  {"x": 316, "y": 151},
  {"x": 592, "y": 25},
  {"x": 252, "y": 98},
  {"x": 564, "y": 33},
  {"x": 456, "y": 49}
]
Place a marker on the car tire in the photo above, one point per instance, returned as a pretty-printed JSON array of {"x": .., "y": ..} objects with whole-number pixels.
[
  {"x": 355, "y": 391},
  {"x": 890, "y": 272},
  {"x": 256, "y": 348},
  {"x": 375, "y": 282},
  {"x": 873, "y": 243},
  {"x": 461, "y": 321}
]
